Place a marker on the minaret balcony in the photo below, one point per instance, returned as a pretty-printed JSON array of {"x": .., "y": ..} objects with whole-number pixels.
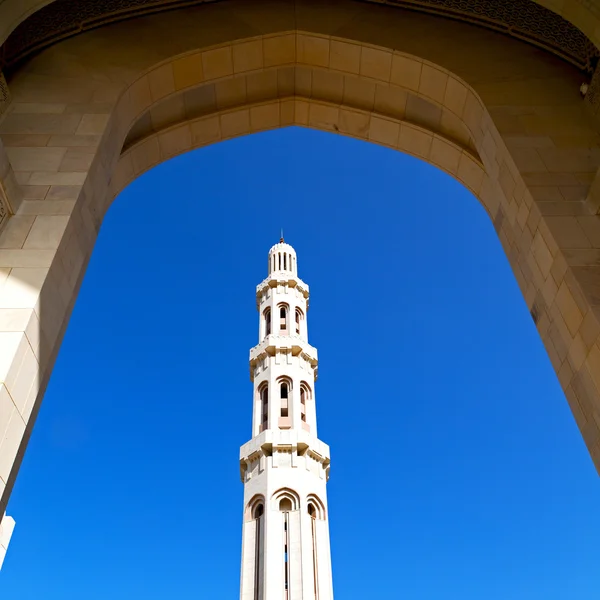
[
  {"x": 299, "y": 442},
  {"x": 281, "y": 278},
  {"x": 273, "y": 344}
]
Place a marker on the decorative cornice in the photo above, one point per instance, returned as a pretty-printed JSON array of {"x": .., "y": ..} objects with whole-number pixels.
[
  {"x": 65, "y": 18},
  {"x": 4, "y": 209},
  {"x": 265, "y": 441},
  {"x": 272, "y": 281},
  {"x": 522, "y": 19},
  {"x": 274, "y": 344},
  {"x": 4, "y": 102},
  {"x": 592, "y": 96},
  {"x": 282, "y": 343},
  {"x": 4, "y": 94},
  {"x": 300, "y": 447}
]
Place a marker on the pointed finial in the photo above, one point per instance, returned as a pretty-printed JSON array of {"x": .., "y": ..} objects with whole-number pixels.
[{"x": 281, "y": 239}]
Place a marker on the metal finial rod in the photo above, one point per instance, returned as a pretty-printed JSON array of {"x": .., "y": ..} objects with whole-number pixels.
[{"x": 281, "y": 239}]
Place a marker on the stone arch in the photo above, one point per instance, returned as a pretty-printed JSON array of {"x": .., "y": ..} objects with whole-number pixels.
[
  {"x": 286, "y": 497},
  {"x": 516, "y": 133},
  {"x": 285, "y": 392},
  {"x": 266, "y": 322},
  {"x": 285, "y": 379},
  {"x": 304, "y": 385},
  {"x": 283, "y": 313},
  {"x": 261, "y": 403},
  {"x": 254, "y": 506},
  {"x": 390, "y": 113},
  {"x": 318, "y": 508},
  {"x": 299, "y": 321}
]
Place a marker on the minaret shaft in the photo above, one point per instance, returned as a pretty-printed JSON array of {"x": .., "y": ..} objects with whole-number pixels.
[{"x": 284, "y": 467}]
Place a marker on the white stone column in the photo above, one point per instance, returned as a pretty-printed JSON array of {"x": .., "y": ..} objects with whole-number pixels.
[{"x": 291, "y": 475}]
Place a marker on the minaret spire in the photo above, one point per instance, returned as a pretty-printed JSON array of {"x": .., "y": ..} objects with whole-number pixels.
[{"x": 284, "y": 467}]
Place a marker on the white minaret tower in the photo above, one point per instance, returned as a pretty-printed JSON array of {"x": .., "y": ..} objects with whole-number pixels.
[{"x": 284, "y": 467}]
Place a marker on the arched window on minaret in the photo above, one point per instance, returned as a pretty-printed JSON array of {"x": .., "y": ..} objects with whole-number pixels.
[
  {"x": 303, "y": 404},
  {"x": 285, "y": 389},
  {"x": 267, "y": 317},
  {"x": 255, "y": 511},
  {"x": 286, "y": 501},
  {"x": 316, "y": 511},
  {"x": 299, "y": 319},
  {"x": 315, "y": 507},
  {"x": 285, "y": 393},
  {"x": 285, "y": 506},
  {"x": 305, "y": 395},
  {"x": 283, "y": 311},
  {"x": 263, "y": 393}
]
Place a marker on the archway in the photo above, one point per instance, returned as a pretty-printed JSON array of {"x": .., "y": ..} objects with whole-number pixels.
[
  {"x": 92, "y": 112},
  {"x": 217, "y": 264}
]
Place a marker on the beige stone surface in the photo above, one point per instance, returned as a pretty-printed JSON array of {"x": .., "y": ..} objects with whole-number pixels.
[
  {"x": 35, "y": 159},
  {"x": 14, "y": 233},
  {"x": 217, "y": 63},
  {"x": 187, "y": 71},
  {"x": 345, "y": 57},
  {"x": 248, "y": 56},
  {"x": 506, "y": 120}
]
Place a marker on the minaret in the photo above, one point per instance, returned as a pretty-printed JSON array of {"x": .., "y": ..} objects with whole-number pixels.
[{"x": 284, "y": 467}]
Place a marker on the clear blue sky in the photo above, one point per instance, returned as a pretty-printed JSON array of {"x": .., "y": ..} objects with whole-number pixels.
[{"x": 458, "y": 472}]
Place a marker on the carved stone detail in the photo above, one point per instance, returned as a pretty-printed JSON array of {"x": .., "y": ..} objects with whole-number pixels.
[
  {"x": 4, "y": 211},
  {"x": 4, "y": 94},
  {"x": 4, "y": 102},
  {"x": 592, "y": 96},
  {"x": 66, "y": 18},
  {"x": 523, "y": 19}
]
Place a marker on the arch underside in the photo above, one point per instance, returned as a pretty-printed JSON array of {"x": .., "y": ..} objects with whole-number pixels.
[
  {"x": 93, "y": 112},
  {"x": 538, "y": 22},
  {"x": 300, "y": 82}
]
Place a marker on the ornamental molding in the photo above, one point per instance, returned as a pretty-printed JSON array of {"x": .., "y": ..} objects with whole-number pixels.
[
  {"x": 283, "y": 344},
  {"x": 4, "y": 94},
  {"x": 4, "y": 102},
  {"x": 4, "y": 210},
  {"x": 277, "y": 279},
  {"x": 300, "y": 447},
  {"x": 293, "y": 345},
  {"x": 592, "y": 97},
  {"x": 267, "y": 440},
  {"x": 62, "y": 19},
  {"x": 522, "y": 19},
  {"x": 247, "y": 464}
]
